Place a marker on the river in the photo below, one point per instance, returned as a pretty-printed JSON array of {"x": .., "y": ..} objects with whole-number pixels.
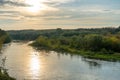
[{"x": 25, "y": 63}]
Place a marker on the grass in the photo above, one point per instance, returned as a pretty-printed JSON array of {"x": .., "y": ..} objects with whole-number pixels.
[{"x": 86, "y": 54}]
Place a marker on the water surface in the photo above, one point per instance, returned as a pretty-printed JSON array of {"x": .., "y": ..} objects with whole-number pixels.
[{"x": 25, "y": 63}]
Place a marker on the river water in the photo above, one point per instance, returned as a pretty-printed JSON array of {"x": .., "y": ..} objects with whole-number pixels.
[{"x": 25, "y": 63}]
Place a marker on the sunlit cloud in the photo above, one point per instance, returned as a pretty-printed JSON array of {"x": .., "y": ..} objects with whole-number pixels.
[{"x": 38, "y": 14}]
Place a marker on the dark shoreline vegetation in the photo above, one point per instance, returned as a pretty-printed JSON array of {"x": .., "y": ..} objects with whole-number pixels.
[
  {"x": 86, "y": 50},
  {"x": 98, "y": 43},
  {"x": 4, "y": 75},
  {"x": 4, "y": 38}
]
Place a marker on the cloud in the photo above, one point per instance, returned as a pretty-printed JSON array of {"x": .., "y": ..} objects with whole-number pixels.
[
  {"x": 56, "y": 2},
  {"x": 12, "y": 3},
  {"x": 60, "y": 12},
  {"x": 7, "y": 11}
]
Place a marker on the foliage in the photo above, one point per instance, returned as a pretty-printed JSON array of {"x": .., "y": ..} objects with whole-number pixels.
[
  {"x": 4, "y": 38},
  {"x": 33, "y": 34},
  {"x": 98, "y": 41},
  {"x": 4, "y": 75}
]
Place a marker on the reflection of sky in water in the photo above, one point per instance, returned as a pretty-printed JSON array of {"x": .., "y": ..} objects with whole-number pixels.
[{"x": 26, "y": 63}]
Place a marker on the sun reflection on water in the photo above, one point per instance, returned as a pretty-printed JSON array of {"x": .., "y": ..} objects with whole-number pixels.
[{"x": 35, "y": 65}]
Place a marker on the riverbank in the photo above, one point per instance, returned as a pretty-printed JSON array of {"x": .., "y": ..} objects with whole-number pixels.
[
  {"x": 48, "y": 44},
  {"x": 5, "y": 76},
  {"x": 85, "y": 54},
  {"x": 4, "y": 38}
]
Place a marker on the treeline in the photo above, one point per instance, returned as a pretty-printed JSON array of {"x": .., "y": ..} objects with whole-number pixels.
[
  {"x": 91, "y": 42},
  {"x": 4, "y": 38},
  {"x": 92, "y": 45},
  {"x": 102, "y": 43},
  {"x": 98, "y": 39},
  {"x": 33, "y": 34}
]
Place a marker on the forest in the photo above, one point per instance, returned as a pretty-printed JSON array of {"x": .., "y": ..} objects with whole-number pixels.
[
  {"x": 33, "y": 34},
  {"x": 98, "y": 43}
]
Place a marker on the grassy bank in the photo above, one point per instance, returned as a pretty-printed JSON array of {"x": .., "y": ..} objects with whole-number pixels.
[
  {"x": 85, "y": 54},
  {"x": 68, "y": 45}
]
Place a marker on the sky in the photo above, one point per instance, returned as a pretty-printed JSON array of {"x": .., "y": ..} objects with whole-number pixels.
[{"x": 52, "y": 14}]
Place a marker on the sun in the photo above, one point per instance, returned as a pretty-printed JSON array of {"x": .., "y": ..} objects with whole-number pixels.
[{"x": 34, "y": 5}]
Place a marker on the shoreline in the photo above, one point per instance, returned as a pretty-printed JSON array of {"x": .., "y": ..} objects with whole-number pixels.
[{"x": 86, "y": 54}]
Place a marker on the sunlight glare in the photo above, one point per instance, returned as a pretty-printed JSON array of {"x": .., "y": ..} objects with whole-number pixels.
[
  {"x": 35, "y": 5},
  {"x": 35, "y": 65}
]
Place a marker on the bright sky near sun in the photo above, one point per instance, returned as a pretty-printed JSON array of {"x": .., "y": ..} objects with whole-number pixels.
[{"x": 49, "y": 14}]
